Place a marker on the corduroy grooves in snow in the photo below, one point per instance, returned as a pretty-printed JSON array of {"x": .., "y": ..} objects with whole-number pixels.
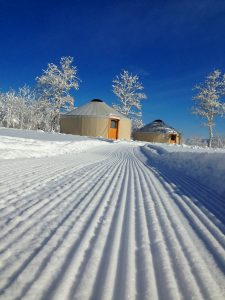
[{"x": 109, "y": 221}]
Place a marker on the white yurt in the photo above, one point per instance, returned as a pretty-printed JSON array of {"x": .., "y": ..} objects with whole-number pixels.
[
  {"x": 96, "y": 119},
  {"x": 158, "y": 132}
]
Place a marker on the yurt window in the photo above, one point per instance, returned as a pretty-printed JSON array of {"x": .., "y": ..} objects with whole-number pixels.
[{"x": 114, "y": 124}]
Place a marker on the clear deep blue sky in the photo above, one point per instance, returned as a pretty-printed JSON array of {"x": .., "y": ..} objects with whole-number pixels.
[{"x": 172, "y": 45}]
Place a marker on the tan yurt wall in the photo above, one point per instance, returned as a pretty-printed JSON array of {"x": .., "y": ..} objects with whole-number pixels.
[
  {"x": 96, "y": 127},
  {"x": 81, "y": 125},
  {"x": 156, "y": 137},
  {"x": 92, "y": 126},
  {"x": 124, "y": 129},
  {"x": 70, "y": 125},
  {"x": 151, "y": 137},
  {"x": 179, "y": 139}
]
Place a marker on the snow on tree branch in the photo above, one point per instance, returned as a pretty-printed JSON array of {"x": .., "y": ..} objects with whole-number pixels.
[
  {"x": 16, "y": 108},
  {"x": 208, "y": 100},
  {"x": 54, "y": 86},
  {"x": 128, "y": 89}
]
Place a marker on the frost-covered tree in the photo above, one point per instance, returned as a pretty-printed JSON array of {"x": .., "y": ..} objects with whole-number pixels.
[
  {"x": 26, "y": 98},
  {"x": 54, "y": 86},
  {"x": 17, "y": 108},
  {"x": 129, "y": 91},
  {"x": 41, "y": 115},
  {"x": 23, "y": 109},
  {"x": 2, "y": 109},
  {"x": 208, "y": 103},
  {"x": 9, "y": 109}
]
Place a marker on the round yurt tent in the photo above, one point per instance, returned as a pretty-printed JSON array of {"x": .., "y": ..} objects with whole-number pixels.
[
  {"x": 158, "y": 132},
  {"x": 96, "y": 119}
]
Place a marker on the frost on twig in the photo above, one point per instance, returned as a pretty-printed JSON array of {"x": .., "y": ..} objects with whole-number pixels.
[
  {"x": 54, "y": 86},
  {"x": 208, "y": 103},
  {"x": 128, "y": 89}
]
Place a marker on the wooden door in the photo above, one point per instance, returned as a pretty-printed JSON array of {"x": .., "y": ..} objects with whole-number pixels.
[
  {"x": 173, "y": 139},
  {"x": 113, "y": 129}
]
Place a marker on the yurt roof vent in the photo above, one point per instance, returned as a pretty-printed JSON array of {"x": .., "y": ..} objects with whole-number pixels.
[{"x": 96, "y": 100}]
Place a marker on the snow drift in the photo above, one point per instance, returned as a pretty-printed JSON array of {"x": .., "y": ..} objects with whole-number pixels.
[
  {"x": 205, "y": 165},
  {"x": 15, "y": 143}
]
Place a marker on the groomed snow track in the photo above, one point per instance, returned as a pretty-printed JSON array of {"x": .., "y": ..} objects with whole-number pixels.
[{"x": 107, "y": 225}]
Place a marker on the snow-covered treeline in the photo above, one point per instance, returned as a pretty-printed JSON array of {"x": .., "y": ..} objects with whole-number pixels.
[
  {"x": 40, "y": 108},
  {"x": 217, "y": 141},
  {"x": 24, "y": 109}
]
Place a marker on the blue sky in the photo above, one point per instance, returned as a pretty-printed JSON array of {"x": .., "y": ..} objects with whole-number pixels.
[{"x": 172, "y": 45}]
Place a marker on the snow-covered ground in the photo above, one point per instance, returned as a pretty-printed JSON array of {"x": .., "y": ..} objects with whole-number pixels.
[
  {"x": 16, "y": 143},
  {"x": 205, "y": 165},
  {"x": 107, "y": 220}
]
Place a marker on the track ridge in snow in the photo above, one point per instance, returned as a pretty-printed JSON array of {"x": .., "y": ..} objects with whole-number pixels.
[
  {"x": 106, "y": 225},
  {"x": 202, "y": 196}
]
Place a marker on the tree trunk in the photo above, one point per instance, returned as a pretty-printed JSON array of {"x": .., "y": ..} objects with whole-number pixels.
[
  {"x": 55, "y": 123},
  {"x": 210, "y": 135},
  {"x": 21, "y": 122}
]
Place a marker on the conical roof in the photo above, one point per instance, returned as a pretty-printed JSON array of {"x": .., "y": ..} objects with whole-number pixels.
[
  {"x": 157, "y": 126},
  {"x": 95, "y": 108}
]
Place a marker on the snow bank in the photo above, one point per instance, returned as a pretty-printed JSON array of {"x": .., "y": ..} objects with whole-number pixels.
[
  {"x": 16, "y": 143},
  {"x": 40, "y": 135},
  {"x": 205, "y": 165},
  {"x": 187, "y": 148}
]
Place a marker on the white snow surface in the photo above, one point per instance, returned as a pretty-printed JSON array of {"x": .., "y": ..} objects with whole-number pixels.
[
  {"x": 206, "y": 165},
  {"x": 16, "y": 143},
  {"x": 109, "y": 220}
]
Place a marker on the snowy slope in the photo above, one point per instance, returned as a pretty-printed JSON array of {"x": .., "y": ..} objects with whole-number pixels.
[
  {"x": 108, "y": 223},
  {"x": 205, "y": 165},
  {"x": 16, "y": 143}
]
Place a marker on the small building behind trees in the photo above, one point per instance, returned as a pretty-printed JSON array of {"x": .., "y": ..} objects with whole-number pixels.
[
  {"x": 158, "y": 132},
  {"x": 96, "y": 119}
]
